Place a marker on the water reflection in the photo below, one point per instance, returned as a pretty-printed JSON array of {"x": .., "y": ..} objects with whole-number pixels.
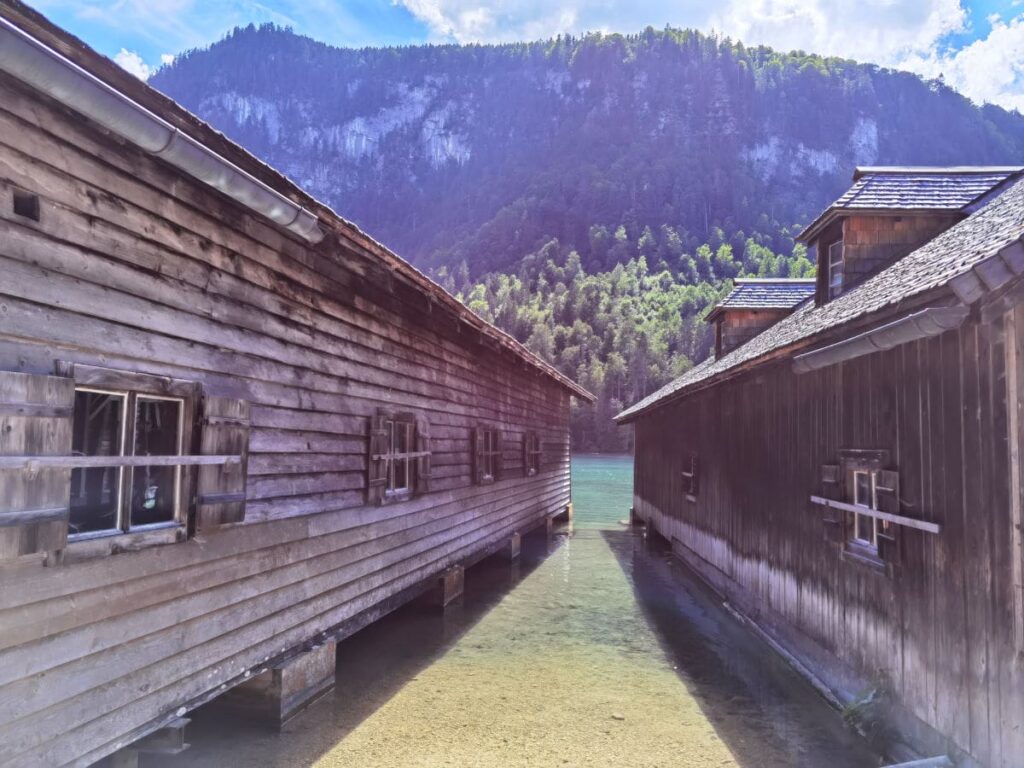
[{"x": 592, "y": 651}]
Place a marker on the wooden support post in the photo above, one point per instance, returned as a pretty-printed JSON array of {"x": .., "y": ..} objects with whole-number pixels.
[
  {"x": 450, "y": 585},
  {"x": 655, "y": 541},
  {"x": 169, "y": 740},
  {"x": 511, "y": 550},
  {"x": 549, "y": 526},
  {"x": 565, "y": 516},
  {"x": 634, "y": 518},
  {"x": 285, "y": 690}
]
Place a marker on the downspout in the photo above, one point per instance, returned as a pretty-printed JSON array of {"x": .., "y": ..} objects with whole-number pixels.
[
  {"x": 39, "y": 66},
  {"x": 919, "y": 325}
]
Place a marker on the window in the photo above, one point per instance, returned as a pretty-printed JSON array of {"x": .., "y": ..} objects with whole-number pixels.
[
  {"x": 487, "y": 451},
  {"x": 835, "y": 269},
  {"x": 865, "y": 494},
  {"x": 691, "y": 477},
  {"x": 125, "y": 496},
  {"x": 531, "y": 454},
  {"x": 400, "y": 459},
  {"x": 26, "y": 205}
]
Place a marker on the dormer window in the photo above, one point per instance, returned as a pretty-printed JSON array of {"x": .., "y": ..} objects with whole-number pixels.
[{"x": 835, "y": 269}]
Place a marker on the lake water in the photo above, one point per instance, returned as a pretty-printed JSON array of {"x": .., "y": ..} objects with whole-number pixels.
[{"x": 592, "y": 650}]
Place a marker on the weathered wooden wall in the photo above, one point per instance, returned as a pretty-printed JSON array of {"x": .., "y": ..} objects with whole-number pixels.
[
  {"x": 738, "y": 326},
  {"x": 871, "y": 243},
  {"x": 941, "y": 632},
  {"x": 134, "y": 267}
]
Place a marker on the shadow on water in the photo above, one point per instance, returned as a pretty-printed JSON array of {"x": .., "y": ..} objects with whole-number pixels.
[
  {"x": 767, "y": 714},
  {"x": 591, "y": 651},
  {"x": 372, "y": 666}
]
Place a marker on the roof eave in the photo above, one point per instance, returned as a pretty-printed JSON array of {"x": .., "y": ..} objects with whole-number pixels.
[
  {"x": 811, "y": 230},
  {"x": 629, "y": 416},
  {"x": 64, "y": 43},
  {"x": 815, "y": 228}
]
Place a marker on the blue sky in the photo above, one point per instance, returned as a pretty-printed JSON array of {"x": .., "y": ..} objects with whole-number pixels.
[{"x": 976, "y": 45}]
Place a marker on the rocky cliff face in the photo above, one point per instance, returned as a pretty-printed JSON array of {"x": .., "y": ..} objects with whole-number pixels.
[{"x": 482, "y": 153}]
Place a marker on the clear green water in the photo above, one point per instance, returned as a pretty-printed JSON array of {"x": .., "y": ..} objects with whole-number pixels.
[
  {"x": 592, "y": 650},
  {"x": 602, "y": 489}
]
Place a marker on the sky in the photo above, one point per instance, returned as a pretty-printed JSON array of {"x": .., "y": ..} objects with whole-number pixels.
[{"x": 977, "y": 46}]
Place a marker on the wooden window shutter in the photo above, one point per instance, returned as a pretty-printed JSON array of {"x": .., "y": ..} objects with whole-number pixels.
[
  {"x": 377, "y": 468},
  {"x": 499, "y": 459},
  {"x": 477, "y": 448},
  {"x": 35, "y": 420},
  {"x": 220, "y": 490},
  {"x": 527, "y": 437},
  {"x": 832, "y": 488},
  {"x": 423, "y": 468},
  {"x": 887, "y": 491}
]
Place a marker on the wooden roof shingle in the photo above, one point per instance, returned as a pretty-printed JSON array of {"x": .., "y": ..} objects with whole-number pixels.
[
  {"x": 971, "y": 244},
  {"x": 898, "y": 188},
  {"x": 765, "y": 293}
]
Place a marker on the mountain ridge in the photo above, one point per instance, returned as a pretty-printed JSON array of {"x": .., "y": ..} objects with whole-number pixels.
[{"x": 482, "y": 153}]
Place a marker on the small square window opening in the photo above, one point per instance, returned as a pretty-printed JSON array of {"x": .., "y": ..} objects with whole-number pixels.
[{"x": 26, "y": 205}]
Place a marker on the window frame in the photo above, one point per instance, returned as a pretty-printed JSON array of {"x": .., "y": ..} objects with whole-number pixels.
[
  {"x": 126, "y": 474},
  {"x": 867, "y": 463},
  {"x": 872, "y": 483},
  {"x": 487, "y": 452},
  {"x": 489, "y": 455},
  {"x": 833, "y": 290},
  {"x": 532, "y": 452},
  {"x": 691, "y": 477},
  {"x": 392, "y": 491},
  {"x": 133, "y": 385}
]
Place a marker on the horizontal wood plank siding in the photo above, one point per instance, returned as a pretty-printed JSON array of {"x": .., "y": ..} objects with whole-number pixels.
[{"x": 133, "y": 267}]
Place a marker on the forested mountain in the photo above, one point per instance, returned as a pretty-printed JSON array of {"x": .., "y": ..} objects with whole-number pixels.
[{"x": 590, "y": 194}]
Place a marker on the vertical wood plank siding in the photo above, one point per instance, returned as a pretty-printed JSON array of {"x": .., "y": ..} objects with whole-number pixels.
[
  {"x": 134, "y": 267},
  {"x": 941, "y": 633}
]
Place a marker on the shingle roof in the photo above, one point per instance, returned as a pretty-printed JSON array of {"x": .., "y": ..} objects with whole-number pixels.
[
  {"x": 765, "y": 293},
  {"x": 971, "y": 244},
  {"x": 914, "y": 189}
]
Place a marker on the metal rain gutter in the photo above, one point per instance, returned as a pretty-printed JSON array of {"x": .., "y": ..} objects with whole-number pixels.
[
  {"x": 919, "y": 325},
  {"x": 32, "y": 62}
]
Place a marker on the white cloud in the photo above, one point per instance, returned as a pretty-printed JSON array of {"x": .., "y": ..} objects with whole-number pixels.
[
  {"x": 990, "y": 69},
  {"x": 131, "y": 62},
  {"x": 907, "y": 34},
  {"x": 167, "y": 58}
]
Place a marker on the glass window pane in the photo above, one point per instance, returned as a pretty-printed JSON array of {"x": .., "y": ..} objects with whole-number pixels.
[
  {"x": 97, "y": 431},
  {"x": 865, "y": 528},
  {"x": 862, "y": 489},
  {"x": 157, "y": 433}
]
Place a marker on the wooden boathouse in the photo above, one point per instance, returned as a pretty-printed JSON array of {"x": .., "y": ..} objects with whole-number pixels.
[
  {"x": 233, "y": 428},
  {"x": 849, "y": 477}
]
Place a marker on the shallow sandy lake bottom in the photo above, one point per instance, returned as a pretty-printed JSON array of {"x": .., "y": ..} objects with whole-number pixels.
[{"x": 593, "y": 650}]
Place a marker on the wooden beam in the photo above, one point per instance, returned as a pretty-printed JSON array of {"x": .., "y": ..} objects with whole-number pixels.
[
  {"x": 909, "y": 522},
  {"x": 400, "y": 456},
  {"x": 35, "y": 463}
]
